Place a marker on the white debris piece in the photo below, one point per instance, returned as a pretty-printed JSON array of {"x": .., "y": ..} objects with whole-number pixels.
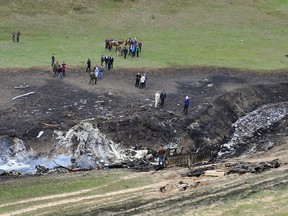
[
  {"x": 23, "y": 95},
  {"x": 40, "y": 134}
]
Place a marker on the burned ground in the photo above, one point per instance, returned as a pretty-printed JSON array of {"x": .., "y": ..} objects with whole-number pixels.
[{"x": 219, "y": 96}]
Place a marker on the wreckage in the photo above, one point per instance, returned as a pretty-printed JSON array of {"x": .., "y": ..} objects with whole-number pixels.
[{"x": 85, "y": 146}]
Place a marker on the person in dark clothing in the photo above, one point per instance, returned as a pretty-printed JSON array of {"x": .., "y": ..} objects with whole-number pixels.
[
  {"x": 88, "y": 69},
  {"x": 17, "y": 35},
  {"x": 138, "y": 77},
  {"x": 107, "y": 43},
  {"x": 102, "y": 59},
  {"x": 106, "y": 58},
  {"x": 137, "y": 51},
  {"x": 53, "y": 59},
  {"x": 108, "y": 63},
  {"x": 162, "y": 98},
  {"x": 112, "y": 61},
  {"x": 13, "y": 36},
  {"x": 60, "y": 73},
  {"x": 161, "y": 154},
  {"x": 125, "y": 51},
  {"x": 186, "y": 105}
]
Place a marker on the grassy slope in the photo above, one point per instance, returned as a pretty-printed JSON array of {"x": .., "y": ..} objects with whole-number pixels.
[{"x": 242, "y": 34}]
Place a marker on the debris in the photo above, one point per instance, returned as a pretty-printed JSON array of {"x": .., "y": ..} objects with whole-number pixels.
[
  {"x": 197, "y": 172},
  {"x": 162, "y": 189},
  {"x": 183, "y": 185},
  {"x": 49, "y": 125},
  {"x": 40, "y": 134},
  {"x": 23, "y": 95},
  {"x": 21, "y": 86},
  {"x": 214, "y": 173},
  {"x": 73, "y": 169},
  {"x": 41, "y": 170},
  {"x": 195, "y": 184},
  {"x": 66, "y": 168},
  {"x": 246, "y": 167}
]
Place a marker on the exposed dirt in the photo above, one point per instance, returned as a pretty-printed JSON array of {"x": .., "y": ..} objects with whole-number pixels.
[{"x": 126, "y": 114}]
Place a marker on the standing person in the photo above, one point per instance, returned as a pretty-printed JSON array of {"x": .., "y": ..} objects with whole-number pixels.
[
  {"x": 138, "y": 77},
  {"x": 52, "y": 59},
  {"x": 142, "y": 81},
  {"x": 125, "y": 51},
  {"x": 102, "y": 59},
  {"x": 137, "y": 51},
  {"x": 18, "y": 35},
  {"x": 13, "y": 36},
  {"x": 157, "y": 99},
  {"x": 96, "y": 73},
  {"x": 55, "y": 68},
  {"x": 162, "y": 98},
  {"x": 112, "y": 61},
  {"x": 145, "y": 81},
  {"x": 186, "y": 105},
  {"x": 63, "y": 69},
  {"x": 101, "y": 70},
  {"x": 107, "y": 40},
  {"x": 108, "y": 63},
  {"x": 161, "y": 154},
  {"x": 60, "y": 73},
  {"x": 133, "y": 50},
  {"x": 92, "y": 78},
  {"x": 88, "y": 69}
]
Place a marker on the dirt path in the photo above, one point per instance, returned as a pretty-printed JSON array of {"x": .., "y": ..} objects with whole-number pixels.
[{"x": 148, "y": 200}]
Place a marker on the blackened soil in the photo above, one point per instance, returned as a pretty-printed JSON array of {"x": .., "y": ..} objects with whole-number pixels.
[{"x": 219, "y": 96}]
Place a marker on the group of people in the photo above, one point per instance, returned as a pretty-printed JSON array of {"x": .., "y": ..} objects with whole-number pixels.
[
  {"x": 141, "y": 81},
  {"x": 97, "y": 73},
  {"x": 58, "y": 70},
  {"x": 16, "y": 36},
  {"x": 134, "y": 50},
  {"x": 160, "y": 98},
  {"x": 108, "y": 61}
]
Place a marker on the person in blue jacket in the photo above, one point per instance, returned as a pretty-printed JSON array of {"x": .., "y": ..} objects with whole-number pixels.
[{"x": 186, "y": 105}]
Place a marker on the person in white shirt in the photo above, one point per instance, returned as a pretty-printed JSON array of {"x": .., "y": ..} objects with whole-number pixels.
[
  {"x": 96, "y": 71},
  {"x": 157, "y": 99}
]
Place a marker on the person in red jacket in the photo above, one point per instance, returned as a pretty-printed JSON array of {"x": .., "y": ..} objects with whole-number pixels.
[{"x": 63, "y": 69}]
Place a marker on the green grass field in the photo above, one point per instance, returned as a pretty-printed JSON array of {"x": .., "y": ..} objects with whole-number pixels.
[{"x": 224, "y": 33}]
